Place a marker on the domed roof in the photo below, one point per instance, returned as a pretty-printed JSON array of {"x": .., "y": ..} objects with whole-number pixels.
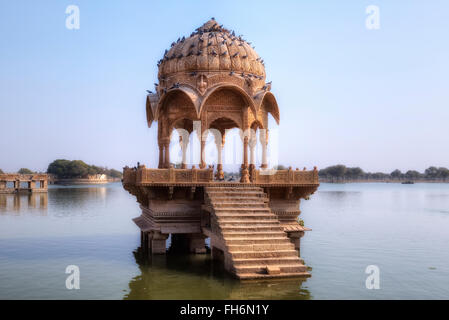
[{"x": 212, "y": 48}]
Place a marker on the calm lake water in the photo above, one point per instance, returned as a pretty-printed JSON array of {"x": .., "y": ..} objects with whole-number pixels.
[{"x": 402, "y": 229}]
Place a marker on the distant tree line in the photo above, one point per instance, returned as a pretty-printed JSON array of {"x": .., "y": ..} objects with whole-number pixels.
[
  {"x": 21, "y": 171},
  {"x": 70, "y": 169},
  {"x": 25, "y": 171},
  {"x": 341, "y": 173}
]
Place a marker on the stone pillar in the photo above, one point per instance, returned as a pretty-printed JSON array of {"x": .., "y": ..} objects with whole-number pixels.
[
  {"x": 196, "y": 243},
  {"x": 264, "y": 142},
  {"x": 245, "y": 151},
  {"x": 216, "y": 252},
  {"x": 167, "y": 154},
  {"x": 184, "y": 145},
  {"x": 203, "y": 147},
  {"x": 146, "y": 244},
  {"x": 245, "y": 173},
  {"x": 252, "y": 149},
  {"x": 158, "y": 240},
  {"x": 219, "y": 141},
  {"x": 161, "y": 156},
  {"x": 252, "y": 160},
  {"x": 295, "y": 238}
]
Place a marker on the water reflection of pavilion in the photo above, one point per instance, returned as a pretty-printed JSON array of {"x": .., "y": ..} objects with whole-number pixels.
[
  {"x": 18, "y": 202},
  {"x": 174, "y": 276}
]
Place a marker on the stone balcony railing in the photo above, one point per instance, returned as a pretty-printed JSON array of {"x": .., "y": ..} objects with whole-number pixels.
[
  {"x": 145, "y": 176},
  {"x": 288, "y": 176}
]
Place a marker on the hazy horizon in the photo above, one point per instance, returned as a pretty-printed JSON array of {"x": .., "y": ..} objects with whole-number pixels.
[{"x": 376, "y": 99}]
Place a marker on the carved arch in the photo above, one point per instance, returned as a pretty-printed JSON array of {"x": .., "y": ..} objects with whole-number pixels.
[
  {"x": 238, "y": 120},
  {"x": 269, "y": 102},
  {"x": 176, "y": 124},
  {"x": 186, "y": 92},
  {"x": 242, "y": 93},
  {"x": 256, "y": 124},
  {"x": 151, "y": 105}
]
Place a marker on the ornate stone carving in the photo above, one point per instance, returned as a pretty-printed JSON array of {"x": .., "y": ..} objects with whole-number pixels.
[{"x": 201, "y": 83}]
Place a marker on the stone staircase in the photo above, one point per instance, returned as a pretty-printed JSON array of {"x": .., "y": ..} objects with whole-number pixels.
[{"x": 254, "y": 242}]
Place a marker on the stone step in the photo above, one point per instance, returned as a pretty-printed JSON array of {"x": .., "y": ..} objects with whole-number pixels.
[
  {"x": 249, "y": 229},
  {"x": 253, "y": 237},
  {"x": 244, "y": 213},
  {"x": 267, "y": 261},
  {"x": 241, "y": 210},
  {"x": 235, "y": 196},
  {"x": 264, "y": 254},
  {"x": 261, "y": 240},
  {"x": 256, "y": 276},
  {"x": 232, "y": 223},
  {"x": 235, "y": 205},
  {"x": 246, "y": 216},
  {"x": 238, "y": 197},
  {"x": 233, "y": 188},
  {"x": 261, "y": 247},
  {"x": 248, "y": 222},
  {"x": 230, "y": 235},
  {"x": 262, "y": 269},
  {"x": 236, "y": 193}
]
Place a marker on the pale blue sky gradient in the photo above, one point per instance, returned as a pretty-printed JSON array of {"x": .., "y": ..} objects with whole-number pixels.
[{"x": 377, "y": 99}]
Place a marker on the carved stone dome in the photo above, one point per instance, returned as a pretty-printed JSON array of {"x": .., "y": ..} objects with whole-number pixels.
[
  {"x": 211, "y": 48},
  {"x": 213, "y": 76}
]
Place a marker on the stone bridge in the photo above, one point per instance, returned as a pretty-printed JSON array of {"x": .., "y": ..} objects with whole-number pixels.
[{"x": 11, "y": 183}]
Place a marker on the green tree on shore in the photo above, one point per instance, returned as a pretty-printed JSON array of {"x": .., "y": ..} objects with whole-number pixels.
[
  {"x": 431, "y": 173},
  {"x": 354, "y": 173},
  {"x": 443, "y": 173},
  {"x": 341, "y": 173},
  {"x": 333, "y": 172},
  {"x": 280, "y": 167},
  {"x": 114, "y": 174},
  {"x": 67, "y": 169},
  {"x": 25, "y": 171},
  {"x": 396, "y": 174},
  {"x": 412, "y": 174}
]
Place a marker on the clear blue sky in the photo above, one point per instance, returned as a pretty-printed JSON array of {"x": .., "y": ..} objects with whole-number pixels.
[{"x": 377, "y": 99}]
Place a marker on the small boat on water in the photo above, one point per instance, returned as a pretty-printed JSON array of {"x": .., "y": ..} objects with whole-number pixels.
[{"x": 408, "y": 182}]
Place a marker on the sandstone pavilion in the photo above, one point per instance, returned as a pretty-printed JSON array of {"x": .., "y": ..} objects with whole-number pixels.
[{"x": 211, "y": 81}]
